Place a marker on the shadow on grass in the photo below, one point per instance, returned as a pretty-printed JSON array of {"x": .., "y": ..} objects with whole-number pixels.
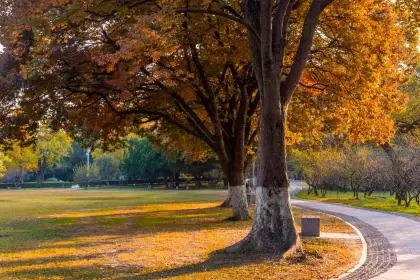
[
  {"x": 74, "y": 272},
  {"x": 58, "y": 258},
  {"x": 216, "y": 261},
  {"x": 157, "y": 222},
  {"x": 113, "y": 226},
  {"x": 97, "y": 198}
]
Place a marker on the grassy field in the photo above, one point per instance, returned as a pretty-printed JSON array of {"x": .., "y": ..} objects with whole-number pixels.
[
  {"x": 380, "y": 201},
  {"x": 134, "y": 234}
]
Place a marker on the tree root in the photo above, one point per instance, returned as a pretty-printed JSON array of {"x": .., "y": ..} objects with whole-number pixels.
[
  {"x": 226, "y": 203},
  {"x": 237, "y": 219},
  {"x": 262, "y": 242}
]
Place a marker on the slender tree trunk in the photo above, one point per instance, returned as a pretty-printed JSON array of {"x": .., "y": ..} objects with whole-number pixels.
[
  {"x": 390, "y": 153},
  {"x": 42, "y": 166},
  {"x": 21, "y": 176},
  {"x": 407, "y": 199},
  {"x": 309, "y": 189},
  {"x": 198, "y": 183},
  {"x": 176, "y": 179}
]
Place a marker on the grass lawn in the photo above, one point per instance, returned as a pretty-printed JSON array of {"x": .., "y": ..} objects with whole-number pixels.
[
  {"x": 140, "y": 234},
  {"x": 381, "y": 201}
]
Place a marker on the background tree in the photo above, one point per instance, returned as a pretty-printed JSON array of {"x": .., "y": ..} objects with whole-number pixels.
[
  {"x": 363, "y": 168},
  {"x": 407, "y": 140},
  {"x": 77, "y": 156},
  {"x": 52, "y": 147},
  {"x": 142, "y": 162},
  {"x": 402, "y": 176},
  {"x": 4, "y": 160},
  {"x": 192, "y": 155},
  {"x": 84, "y": 174},
  {"x": 321, "y": 169},
  {"x": 358, "y": 169},
  {"x": 109, "y": 162},
  {"x": 108, "y": 166},
  {"x": 22, "y": 159},
  {"x": 200, "y": 170}
]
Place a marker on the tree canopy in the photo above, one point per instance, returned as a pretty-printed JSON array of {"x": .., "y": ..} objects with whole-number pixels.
[{"x": 133, "y": 63}]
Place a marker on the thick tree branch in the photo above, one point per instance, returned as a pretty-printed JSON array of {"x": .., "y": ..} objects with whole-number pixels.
[
  {"x": 191, "y": 115},
  {"x": 308, "y": 31},
  {"x": 252, "y": 12},
  {"x": 266, "y": 36},
  {"x": 221, "y": 14},
  {"x": 279, "y": 23},
  {"x": 210, "y": 102}
]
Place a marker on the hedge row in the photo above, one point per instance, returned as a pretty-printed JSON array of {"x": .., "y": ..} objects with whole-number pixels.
[
  {"x": 128, "y": 183},
  {"x": 37, "y": 185}
]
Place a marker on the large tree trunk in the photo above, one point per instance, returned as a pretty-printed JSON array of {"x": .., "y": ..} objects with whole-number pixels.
[{"x": 274, "y": 228}]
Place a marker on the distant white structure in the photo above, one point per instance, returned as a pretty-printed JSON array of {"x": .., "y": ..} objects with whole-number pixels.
[
  {"x": 88, "y": 160},
  {"x": 75, "y": 187}
]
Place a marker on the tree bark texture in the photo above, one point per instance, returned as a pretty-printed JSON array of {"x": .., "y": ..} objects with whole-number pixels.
[
  {"x": 236, "y": 187},
  {"x": 234, "y": 163},
  {"x": 226, "y": 202}
]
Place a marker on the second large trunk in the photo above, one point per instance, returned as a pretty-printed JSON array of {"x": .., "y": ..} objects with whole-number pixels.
[{"x": 237, "y": 192}]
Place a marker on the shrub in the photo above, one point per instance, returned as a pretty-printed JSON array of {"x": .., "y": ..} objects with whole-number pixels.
[{"x": 85, "y": 175}]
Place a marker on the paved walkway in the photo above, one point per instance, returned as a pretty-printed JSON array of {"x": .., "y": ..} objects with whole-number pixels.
[{"x": 403, "y": 234}]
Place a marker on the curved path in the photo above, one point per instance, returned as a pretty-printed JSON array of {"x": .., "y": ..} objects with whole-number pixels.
[{"x": 387, "y": 236}]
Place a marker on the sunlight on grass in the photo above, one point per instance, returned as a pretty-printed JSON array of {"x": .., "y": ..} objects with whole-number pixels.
[
  {"x": 138, "y": 210},
  {"x": 380, "y": 201},
  {"x": 76, "y": 237}
]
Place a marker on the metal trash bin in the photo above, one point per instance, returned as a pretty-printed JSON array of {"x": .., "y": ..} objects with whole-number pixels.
[{"x": 311, "y": 226}]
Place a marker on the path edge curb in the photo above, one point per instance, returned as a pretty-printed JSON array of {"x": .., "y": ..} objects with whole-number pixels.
[
  {"x": 363, "y": 270},
  {"x": 363, "y": 256}
]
